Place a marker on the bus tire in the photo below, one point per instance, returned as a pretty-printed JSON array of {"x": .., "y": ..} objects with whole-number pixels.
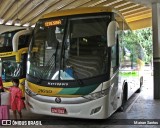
[
  {"x": 141, "y": 83},
  {"x": 125, "y": 92},
  {"x": 124, "y": 97}
]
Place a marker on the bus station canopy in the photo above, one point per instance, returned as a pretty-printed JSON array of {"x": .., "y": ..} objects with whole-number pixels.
[{"x": 138, "y": 13}]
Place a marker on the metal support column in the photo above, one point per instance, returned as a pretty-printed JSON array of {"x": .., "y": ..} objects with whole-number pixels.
[{"x": 156, "y": 48}]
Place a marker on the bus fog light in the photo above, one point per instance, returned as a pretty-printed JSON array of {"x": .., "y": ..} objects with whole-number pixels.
[
  {"x": 95, "y": 110},
  {"x": 29, "y": 105}
]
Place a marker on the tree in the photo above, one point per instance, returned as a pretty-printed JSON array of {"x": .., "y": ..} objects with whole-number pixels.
[{"x": 141, "y": 38}]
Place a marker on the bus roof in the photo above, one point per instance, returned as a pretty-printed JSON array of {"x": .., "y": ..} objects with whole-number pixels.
[
  {"x": 84, "y": 10},
  {"x": 76, "y": 11}
]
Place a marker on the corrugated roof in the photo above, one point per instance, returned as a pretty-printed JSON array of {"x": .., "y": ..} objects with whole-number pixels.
[{"x": 29, "y": 11}]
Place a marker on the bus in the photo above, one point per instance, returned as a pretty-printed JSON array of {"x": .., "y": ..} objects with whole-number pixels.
[
  {"x": 13, "y": 56},
  {"x": 80, "y": 68}
]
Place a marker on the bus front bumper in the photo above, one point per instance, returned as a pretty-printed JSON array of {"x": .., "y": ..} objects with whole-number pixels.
[{"x": 95, "y": 109}]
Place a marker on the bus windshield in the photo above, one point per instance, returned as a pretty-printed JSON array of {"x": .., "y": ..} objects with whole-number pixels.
[
  {"x": 10, "y": 68},
  {"x": 6, "y": 40},
  {"x": 69, "y": 49}
]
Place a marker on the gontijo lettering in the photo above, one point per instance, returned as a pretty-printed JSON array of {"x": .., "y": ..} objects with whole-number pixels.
[
  {"x": 58, "y": 84},
  {"x": 52, "y": 23}
]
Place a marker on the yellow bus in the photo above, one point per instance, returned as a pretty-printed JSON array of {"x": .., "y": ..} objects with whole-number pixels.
[
  {"x": 13, "y": 55},
  {"x": 80, "y": 68}
]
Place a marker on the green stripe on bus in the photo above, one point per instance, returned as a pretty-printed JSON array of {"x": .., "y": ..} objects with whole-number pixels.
[
  {"x": 68, "y": 91},
  {"x": 129, "y": 73},
  {"x": 86, "y": 89},
  {"x": 78, "y": 91}
]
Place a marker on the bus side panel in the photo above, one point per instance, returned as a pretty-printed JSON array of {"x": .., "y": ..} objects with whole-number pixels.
[
  {"x": 115, "y": 94},
  {"x": 130, "y": 72}
]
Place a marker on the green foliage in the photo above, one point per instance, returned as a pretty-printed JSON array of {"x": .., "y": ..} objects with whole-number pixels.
[{"x": 141, "y": 38}]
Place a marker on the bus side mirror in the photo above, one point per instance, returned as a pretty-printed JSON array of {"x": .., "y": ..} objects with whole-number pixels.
[{"x": 112, "y": 33}]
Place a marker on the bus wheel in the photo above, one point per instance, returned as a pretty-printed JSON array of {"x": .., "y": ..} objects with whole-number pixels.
[
  {"x": 124, "y": 97},
  {"x": 141, "y": 83}
]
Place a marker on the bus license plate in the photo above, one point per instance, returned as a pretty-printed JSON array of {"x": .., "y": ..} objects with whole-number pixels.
[{"x": 59, "y": 110}]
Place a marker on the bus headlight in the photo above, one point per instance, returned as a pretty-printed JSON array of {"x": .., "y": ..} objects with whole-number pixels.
[
  {"x": 29, "y": 92},
  {"x": 97, "y": 95}
]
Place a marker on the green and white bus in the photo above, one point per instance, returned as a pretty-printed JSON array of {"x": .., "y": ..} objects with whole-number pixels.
[{"x": 80, "y": 67}]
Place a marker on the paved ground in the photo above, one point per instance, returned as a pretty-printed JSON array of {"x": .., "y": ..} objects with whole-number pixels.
[{"x": 141, "y": 108}]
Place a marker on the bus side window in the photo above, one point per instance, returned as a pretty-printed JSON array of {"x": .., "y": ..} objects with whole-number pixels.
[
  {"x": 24, "y": 40},
  {"x": 114, "y": 59}
]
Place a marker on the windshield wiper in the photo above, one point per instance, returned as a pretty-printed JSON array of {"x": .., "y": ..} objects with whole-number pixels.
[
  {"x": 63, "y": 50},
  {"x": 46, "y": 70},
  {"x": 51, "y": 63},
  {"x": 49, "y": 66}
]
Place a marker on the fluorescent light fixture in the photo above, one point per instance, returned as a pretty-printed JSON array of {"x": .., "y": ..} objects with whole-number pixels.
[
  {"x": 26, "y": 25},
  {"x": 96, "y": 3},
  {"x": 114, "y": 2},
  {"x": 61, "y": 6},
  {"x": 33, "y": 26},
  {"x": 17, "y": 22},
  {"x": 10, "y": 22},
  {"x": 1, "y": 21},
  {"x": 121, "y": 5}
]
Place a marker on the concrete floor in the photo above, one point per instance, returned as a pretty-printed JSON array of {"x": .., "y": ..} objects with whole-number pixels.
[{"x": 141, "y": 107}]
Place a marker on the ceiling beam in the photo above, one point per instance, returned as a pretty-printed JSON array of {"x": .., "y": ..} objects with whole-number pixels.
[
  {"x": 77, "y": 4},
  {"x": 102, "y": 3},
  {"x": 29, "y": 19},
  {"x": 1, "y": 2},
  {"x": 65, "y": 5},
  {"x": 114, "y": 3},
  {"x": 56, "y": 8},
  {"x": 14, "y": 14},
  {"x": 7, "y": 8},
  {"x": 122, "y": 5},
  {"x": 139, "y": 24},
  {"x": 132, "y": 7},
  {"x": 80, "y": 4},
  {"x": 139, "y": 17},
  {"x": 126, "y": 5},
  {"x": 147, "y": 3},
  {"x": 97, "y": 3},
  {"x": 137, "y": 13},
  {"x": 133, "y": 11},
  {"x": 31, "y": 10},
  {"x": 86, "y": 4}
]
